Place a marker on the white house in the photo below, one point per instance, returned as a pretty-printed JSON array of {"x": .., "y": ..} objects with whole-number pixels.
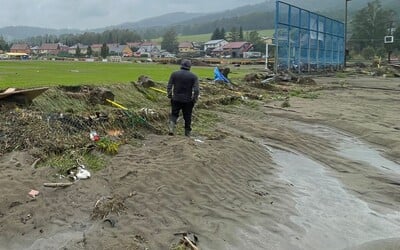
[
  {"x": 82, "y": 48},
  {"x": 213, "y": 44}
]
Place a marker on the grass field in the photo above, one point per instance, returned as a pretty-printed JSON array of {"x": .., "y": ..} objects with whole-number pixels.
[{"x": 51, "y": 73}]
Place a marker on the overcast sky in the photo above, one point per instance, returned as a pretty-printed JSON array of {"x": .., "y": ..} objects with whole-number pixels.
[{"x": 87, "y": 14}]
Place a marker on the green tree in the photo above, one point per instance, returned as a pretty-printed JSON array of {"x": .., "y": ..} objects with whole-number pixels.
[
  {"x": 233, "y": 35},
  {"x": 89, "y": 51},
  {"x": 258, "y": 43},
  {"x": 216, "y": 34},
  {"x": 78, "y": 51},
  {"x": 222, "y": 33},
  {"x": 370, "y": 25},
  {"x": 3, "y": 44},
  {"x": 170, "y": 41},
  {"x": 241, "y": 37},
  {"x": 396, "y": 36},
  {"x": 104, "y": 50},
  {"x": 368, "y": 53}
]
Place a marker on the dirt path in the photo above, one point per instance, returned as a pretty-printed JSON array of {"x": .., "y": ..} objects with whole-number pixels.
[{"x": 275, "y": 179}]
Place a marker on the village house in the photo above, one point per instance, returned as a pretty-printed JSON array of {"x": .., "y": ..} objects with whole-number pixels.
[
  {"x": 236, "y": 49},
  {"x": 96, "y": 48},
  {"x": 20, "y": 48},
  {"x": 213, "y": 44},
  {"x": 82, "y": 48},
  {"x": 186, "y": 47},
  {"x": 217, "y": 52},
  {"x": 149, "y": 48},
  {"x": 35, "y": 50},
  {"x": 134, "y": 46},
  {"x": 119, "y": 50},
  {"x": 50, "y": 48}
]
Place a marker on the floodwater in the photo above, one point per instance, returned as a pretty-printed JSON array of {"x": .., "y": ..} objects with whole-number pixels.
[
  {"x": 350, "y": 147},
  {"x": 331, "y": 217}
]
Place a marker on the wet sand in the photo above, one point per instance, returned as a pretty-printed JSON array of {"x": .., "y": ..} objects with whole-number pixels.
[{"x": 233, "y": 192}]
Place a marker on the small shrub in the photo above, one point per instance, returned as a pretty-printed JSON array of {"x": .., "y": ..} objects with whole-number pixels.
[{"x": 107, "y": 146}]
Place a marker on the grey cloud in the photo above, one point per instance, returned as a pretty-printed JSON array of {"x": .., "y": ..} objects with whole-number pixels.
[{"x": 86, "y": 14}]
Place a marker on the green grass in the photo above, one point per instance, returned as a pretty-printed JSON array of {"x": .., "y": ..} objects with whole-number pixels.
[
  {"x": 67, "y": 160},
  {"x": 52, "y": 73}
]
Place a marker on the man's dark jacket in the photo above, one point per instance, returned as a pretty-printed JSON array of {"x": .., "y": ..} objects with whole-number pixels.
[{"x": 183, "y": 86}]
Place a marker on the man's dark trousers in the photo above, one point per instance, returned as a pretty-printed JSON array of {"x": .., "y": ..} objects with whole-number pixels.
[{"x": 187, "y": 108}]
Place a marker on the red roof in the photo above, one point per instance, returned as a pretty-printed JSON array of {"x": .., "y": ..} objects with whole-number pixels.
[
  {"x": 19, "y": 46},
  {"x": 236, "y": 45},
  {"x": 50, "y": 46}
]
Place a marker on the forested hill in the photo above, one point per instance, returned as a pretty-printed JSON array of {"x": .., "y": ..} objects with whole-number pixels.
[
  {"x": 262, "y": 16},
  {"x": 21, "y": 32}
]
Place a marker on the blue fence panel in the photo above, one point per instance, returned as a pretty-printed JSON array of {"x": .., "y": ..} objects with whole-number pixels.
[{"x": 306, "y": 41}]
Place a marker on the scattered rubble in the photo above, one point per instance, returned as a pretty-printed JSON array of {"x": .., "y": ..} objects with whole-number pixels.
[{"x": 107, "y": 205}]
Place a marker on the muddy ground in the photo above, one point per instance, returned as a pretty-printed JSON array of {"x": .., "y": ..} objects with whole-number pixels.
[{"x": 321, "y": 173}]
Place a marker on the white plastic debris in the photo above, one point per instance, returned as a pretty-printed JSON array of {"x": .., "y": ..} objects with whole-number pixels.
[{"x": 82, "y": 173}]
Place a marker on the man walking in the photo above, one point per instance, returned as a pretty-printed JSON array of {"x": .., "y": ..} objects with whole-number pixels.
[{"x": 183, "y": 90}]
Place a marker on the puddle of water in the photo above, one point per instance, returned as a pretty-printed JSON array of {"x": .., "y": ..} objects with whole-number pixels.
[
  {"x": 57, "y": 240},
  {"x": 331, "y": 217},
  {"x": 350, "y": 147}
]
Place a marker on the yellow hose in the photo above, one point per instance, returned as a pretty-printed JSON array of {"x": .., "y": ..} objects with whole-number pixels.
[
  {"x": 158, "y": 90},
  {"x": 116, "y": 104}
]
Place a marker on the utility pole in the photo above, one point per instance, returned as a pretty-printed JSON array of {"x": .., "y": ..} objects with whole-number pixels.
[
  {"x": 345, "y": 32},
  {"x": 389, "y": 45}
]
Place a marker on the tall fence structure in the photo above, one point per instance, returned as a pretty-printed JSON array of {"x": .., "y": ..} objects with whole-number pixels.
[{"x": 307, "y": 42}]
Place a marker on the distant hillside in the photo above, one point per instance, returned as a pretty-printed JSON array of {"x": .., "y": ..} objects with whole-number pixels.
[
  {"x": 266, "y": 6},
  {"x": 165, "y": 20},
  {"x": 262, "y": 16},
  {"x": 11, "y": 33}
]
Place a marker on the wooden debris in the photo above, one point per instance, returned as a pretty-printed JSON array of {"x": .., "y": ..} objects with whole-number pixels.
[
  {"x": 33, "y": 166},
  {"x": 58, "y": 184},
  {"x": 187, "y": 240},
  {"x": 21, "y": 96}
]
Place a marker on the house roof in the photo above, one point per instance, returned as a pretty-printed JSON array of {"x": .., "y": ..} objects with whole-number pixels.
[
  {"x": 116, "y": 48},
  {"x": 81, "y": 46},
  {"x": 236, "y": 45},
  {"x": 214, "y": 41},
  {"x": 96, "y": 46},
  {"x": 185, "y": 45},
  {"x": 19, "y": 46},
  {"x": 135, "y": 44},
  {"x": 218, "y": 49},
  {"x": 148, "y": 44},
  {"x": 50, "y": 46}
]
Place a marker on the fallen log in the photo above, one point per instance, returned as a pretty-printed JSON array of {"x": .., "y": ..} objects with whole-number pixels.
[{"x": 58, "y": 184}]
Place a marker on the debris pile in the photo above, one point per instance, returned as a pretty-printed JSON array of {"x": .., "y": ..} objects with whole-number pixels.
[
  {"x": 107, "y": 205},
  {"x": 56, "y": 133},
  {"x": 93, "y": 95}
]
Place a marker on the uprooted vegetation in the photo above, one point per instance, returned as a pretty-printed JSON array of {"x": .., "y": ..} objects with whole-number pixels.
[{"x": 57, "y": 125}]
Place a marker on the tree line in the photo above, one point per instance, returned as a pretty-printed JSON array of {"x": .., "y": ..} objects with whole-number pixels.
[
  {"x": 108, "y": 36},
  {"x": 368, "y": 28}
]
